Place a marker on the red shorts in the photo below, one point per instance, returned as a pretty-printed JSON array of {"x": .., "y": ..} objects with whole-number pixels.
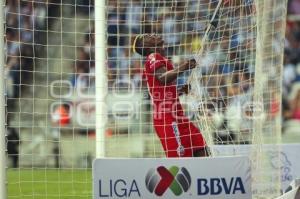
[{"x": 179, "y": 139}]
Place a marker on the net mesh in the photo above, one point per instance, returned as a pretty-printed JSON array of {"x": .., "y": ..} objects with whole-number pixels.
[
  {"x": 50, "y": 79},
  {"x": 237, "y": 92},
  {"x": 237, "y": 89}
]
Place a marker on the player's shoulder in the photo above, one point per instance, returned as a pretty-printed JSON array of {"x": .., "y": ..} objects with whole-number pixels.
[
  {"x": 154, "y": 57},
  {"x": 154, "y": 61}
]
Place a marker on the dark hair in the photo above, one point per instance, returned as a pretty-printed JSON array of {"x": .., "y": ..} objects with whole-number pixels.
[{"x": 139, "y": 46}]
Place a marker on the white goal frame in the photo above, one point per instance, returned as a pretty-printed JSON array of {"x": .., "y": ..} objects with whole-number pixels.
[
  {"x": 2, "y": 109},
  {"x": 101, "y": 76}
]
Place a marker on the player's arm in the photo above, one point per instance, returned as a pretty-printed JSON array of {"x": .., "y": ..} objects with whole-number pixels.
[{"x": 166, "y": 77}]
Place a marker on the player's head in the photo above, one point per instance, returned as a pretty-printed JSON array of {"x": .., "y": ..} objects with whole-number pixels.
[{"x": 146, "y": 44}]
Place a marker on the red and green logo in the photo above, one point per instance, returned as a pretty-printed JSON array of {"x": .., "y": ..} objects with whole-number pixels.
[{"x": 159, "y": 180}]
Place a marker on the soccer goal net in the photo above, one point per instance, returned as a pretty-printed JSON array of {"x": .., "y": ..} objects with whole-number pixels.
[{"x": 75, "y": 87}]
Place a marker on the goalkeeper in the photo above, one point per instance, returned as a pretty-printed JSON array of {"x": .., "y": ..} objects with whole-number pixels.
[{"x": 179, "y": 137}]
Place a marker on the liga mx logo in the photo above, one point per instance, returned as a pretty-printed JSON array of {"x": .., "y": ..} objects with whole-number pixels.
[{"x": 159, "y": 180}]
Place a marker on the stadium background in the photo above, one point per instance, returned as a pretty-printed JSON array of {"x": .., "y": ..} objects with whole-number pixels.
[{"x": 49, "y": 42}]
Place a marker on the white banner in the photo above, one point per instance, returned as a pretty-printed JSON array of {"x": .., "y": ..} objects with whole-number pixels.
[
  {"x": 287, "y": 161},
  {"x": 186, "y": 178}
]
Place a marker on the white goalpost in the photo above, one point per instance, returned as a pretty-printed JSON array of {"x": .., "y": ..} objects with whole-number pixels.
[
  {"x": 2, "y": 110},
  {"x": 101, "y": 74}
]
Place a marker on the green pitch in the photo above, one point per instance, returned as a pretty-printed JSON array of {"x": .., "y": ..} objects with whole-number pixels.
[{"x": 49, "y": 183}]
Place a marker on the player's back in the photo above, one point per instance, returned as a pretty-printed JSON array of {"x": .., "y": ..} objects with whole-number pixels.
[
  {"x": 159, "y": 91},
  {"x": 166, "y": 105}
]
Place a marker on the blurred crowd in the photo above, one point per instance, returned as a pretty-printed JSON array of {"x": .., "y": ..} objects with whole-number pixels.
[
  {"x": 26, "y": 29},
  {"x": 178, "y": 23},
  {"x": 26, "y": 24},
  {"x": 291, "y": 71},
  {"x": 124, "y": 21}
]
